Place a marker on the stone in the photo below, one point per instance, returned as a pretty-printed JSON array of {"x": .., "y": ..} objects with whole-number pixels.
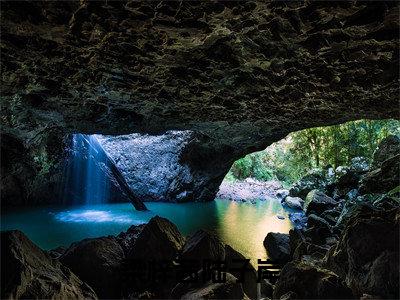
[
  {"x": 316, "y": 201},
  {"x": 230, "y": 289},
  {"x": 315, "y": 221},
  {"x": 168, "y": 67},
  {"x": 29, "y": 272},
  {"x": 294, "y": 202},
  {"x": 299, "y": 219},
  {"x": 278, "y": 247},
  {"x": 128, "y": 238},
  {"x": 203, "y": 245},
  {"x": 97, "y": 261},
  {"x": 359, "y": 164},
  {"x": 309, "y": 282},
  {"x": 282, "y": 193},
  {"x": 387, "y": 148},
  {"x": 159, "y": 240},
  {"x": 249, "y": 282},
  {"x": 313, "y": 180},
  {"x": 367, "y": 255}
]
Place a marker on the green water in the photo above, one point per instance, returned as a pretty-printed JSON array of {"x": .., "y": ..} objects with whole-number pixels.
[{"x": 241, "y": 225}]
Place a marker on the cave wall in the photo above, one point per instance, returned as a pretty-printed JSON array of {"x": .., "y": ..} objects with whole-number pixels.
[{"x": 240, "y": 74}]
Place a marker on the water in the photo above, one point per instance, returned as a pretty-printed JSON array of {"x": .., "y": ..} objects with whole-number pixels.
[
  {"x": 85, "y": 175},
  {"x": 241, "y": 225}
]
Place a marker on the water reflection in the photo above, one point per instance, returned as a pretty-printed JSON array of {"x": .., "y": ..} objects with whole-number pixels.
[{"x": 241, "y": 225}]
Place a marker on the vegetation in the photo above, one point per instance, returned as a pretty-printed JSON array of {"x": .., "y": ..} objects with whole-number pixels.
[{"x": 291, "y": 158}]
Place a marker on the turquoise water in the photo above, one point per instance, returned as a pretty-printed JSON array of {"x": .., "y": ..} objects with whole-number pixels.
[{"x": 241, "y": 225}]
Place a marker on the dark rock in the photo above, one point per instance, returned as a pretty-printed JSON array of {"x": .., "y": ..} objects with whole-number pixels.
[
  {"x": 307, "y": 251},
  {"x": 28, "y": 272},
  {"x": 359, "y": 164},
  {"x": 203, "y": 245},
  {"x": 282, "y": 194},
  {"x": 230, "y": 289},
  {"x": 315, "y": 221},
  {"x": 57, "y": 252},
  {"x": 313, "y": 180},
  {"x": 249, "y": 280},
  {"x": 308, "y": 282},
  {"x": 159, "y": 240},
  {"x": 383, "y": 179},
  {"x": 114, "y": 69},
  {"x": 367, "y": 255},
  {"x": 387, "y": 148},
  {"x": 278, "y": 247},
  {"x": 97, "y": 261},
  {"x": 128, "y": 238},
  {"x": 346, "y": 180},
  {"x": 296, "y": 236},
  {"x": 317, "y": 202}
]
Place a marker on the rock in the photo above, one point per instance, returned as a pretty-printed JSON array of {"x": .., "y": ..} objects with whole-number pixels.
[
  {"x": 203, "y": 245},
  {"x": 230, "y": 289},
  {"x": 280, "y": 217},
  {"x": 278, "y": 247},
  {"x": 387, "y": 148},
  {"x": 128, "y": 238},
  {"x": 367, "y": 254},
  {"x": 316, "y": 201},
  {"x": 157, "y": 168},
  {"x": 299, "y": 219},
  {"x": 57, "y": 252},
  {"x": 180, "y": 84},
  {"x": 308, "y": 282},
  {"x": 28, "y": 272},
  {"x": 315, "y": 221},
  {"x": 97, "y": 261},
  {"x": 249, "y": 283},
  {"x": 359, "y": 164},
  {"x": 313, "y": 180},
  {"x": 159, "y": 240},
  {"x": 296, "y": 236},
  {"x": 383, "y": 179},
  {"x": 309, "y": 252},
  {"x": 294, "y": 202},
  {"x": 282, "y": 194}
]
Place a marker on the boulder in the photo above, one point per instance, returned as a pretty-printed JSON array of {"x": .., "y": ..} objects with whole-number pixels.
[
  {"x": 249, "y": 282},
  {"x": 230, "y": 289},
  {"x": 97, "y": 261},
  {"x": 367, "y": 254},
  {"x": 387, "y": 148},
  {"x": 203, "y": 245},
  {"x": 314, "y": 180},
  {"x": 315, "y": 221},
  {"x": 278, "y": 246},
  {"x": 346, "y": 180},
  {"x": 282, "y": 193},
  {"x": 128, "y": 238},
  {"x": 383, "y": 179},
  {"x": 294, "y": 202},
  {"x": 316, "y": 201},
  {"x": 159, "y": 240},
  {"x": 359, "y": 164},
  {"x": 309, "y": 282},
  {"x": 299, "y": 219},
  {"x": 29, "y": 272}
]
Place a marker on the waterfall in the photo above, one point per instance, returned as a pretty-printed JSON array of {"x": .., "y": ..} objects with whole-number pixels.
[{"x": 87, "y": 171}]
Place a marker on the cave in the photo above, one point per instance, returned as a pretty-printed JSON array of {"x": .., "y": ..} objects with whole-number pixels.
[{"x": 123, "y": 121}]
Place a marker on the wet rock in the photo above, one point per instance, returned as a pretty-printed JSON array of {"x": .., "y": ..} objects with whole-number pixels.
[
  {"x": 316, "y": 201},
  {"x": 278, "y": 247},
  {"x": 28, "y": 272},
  {"x": 315, "y": 221},
  {"x": 367, "y": 254},
  {"x": 97, "y": 261},
  {"x": 282, "y": 194},
  {"x": 159, "y": 240},
  {"x": 313, "y": 180},
  {"x": 359, "y": 164},
  {"x": 299, "y": 219},
  {"x": 249, "y": 280},
  {"x": 294, "y": 202},
  {"x": 203, "y": 245},
  {"x": 308, "y": 282},
  {"x": 230, "y": 289}
]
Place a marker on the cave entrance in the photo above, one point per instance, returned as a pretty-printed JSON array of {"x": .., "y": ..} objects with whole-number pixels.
[{"x": 326, "y": 151}]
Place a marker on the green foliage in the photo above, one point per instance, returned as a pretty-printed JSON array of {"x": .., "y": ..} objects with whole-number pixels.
[{"x": 290, "y": 159}]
